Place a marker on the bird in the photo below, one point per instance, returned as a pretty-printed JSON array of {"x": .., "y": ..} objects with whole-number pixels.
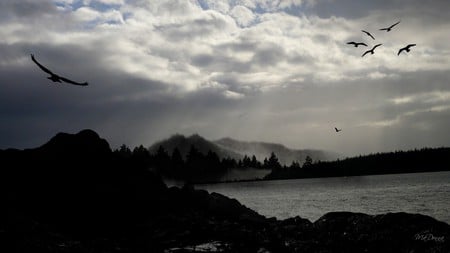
[
  {"x": 407, "y": 48},
  {"x": 54, "y": 77},
  {"x": 368, "y": 33},
  {"x": 371, "y": 50},
  {"x": 337, "y": 130},
  {"x": 356, "y": 44},
  {"x": 388, "y": 29}
]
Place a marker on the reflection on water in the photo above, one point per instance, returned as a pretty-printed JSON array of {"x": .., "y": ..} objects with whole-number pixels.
[{"x": 425, "y": 193}]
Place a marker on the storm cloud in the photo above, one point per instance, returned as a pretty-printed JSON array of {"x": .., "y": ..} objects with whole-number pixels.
[{"x": 276, "y": 71}]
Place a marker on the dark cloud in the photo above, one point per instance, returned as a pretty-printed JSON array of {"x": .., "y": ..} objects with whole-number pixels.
[
  {"x": 221, "y": 63},
  {"x": 268, "y": 54},
  {"x": 25, "y": 9}
]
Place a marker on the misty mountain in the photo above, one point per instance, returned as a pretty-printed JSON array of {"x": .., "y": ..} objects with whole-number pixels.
[
  {"x": 184, "y": 144},
  {"x": 262, "y": 150},
  {"x": 227, "y": 147}
]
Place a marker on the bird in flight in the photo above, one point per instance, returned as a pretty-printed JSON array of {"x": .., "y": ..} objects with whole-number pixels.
[
  {"x": 388, "y": 29},
  {"x": 356, "y": 44},
  {"x": 54, "y": 77},
  {"x": 371, "y": 50},
  {"x": 407, "y": 48},
  {"x": 368, "y": 33},
  {"x": 337, "y": 130}
]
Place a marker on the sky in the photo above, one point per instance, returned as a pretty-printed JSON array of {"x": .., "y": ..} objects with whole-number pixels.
[{"x": 253, "y": 70}]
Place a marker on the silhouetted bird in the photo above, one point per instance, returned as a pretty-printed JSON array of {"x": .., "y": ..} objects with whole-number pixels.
[
  {"x": 54, "y": 77},
  {"x": 388, "y": 29},
  {"x": 337, "y": 130},
  {"x": 407, "y": 48},
  {"x": 356, "y": 44},
  {"x": 371, "y": 50},
  {"x": 368, "y": 33}
]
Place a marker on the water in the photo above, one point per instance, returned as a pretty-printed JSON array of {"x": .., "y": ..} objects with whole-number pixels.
[{"x": 424, "y": 193}]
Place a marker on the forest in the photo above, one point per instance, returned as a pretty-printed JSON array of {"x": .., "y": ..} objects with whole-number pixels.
[
  {"x": 197, "y": 166},
  {"x": 418, "y": 160}
]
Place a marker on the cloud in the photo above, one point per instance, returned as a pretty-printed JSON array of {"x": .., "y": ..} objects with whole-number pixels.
[
  {"x": 242, "y": 15},
  {"x": 159, "y": 67}
]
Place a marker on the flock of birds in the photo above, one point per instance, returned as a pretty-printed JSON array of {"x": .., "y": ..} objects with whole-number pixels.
[
  {"x": 372, "y": 51},
  {"x": 407, "y": 48}
]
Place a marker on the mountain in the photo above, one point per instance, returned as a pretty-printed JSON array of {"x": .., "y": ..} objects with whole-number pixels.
[
  {"x": 184, "y": 144},
  {"x": 227, "y": 147},
  {"x": 263, "y": 149}
]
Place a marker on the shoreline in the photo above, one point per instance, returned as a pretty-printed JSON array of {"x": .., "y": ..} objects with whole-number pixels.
[{"x": 281, "y": 179}]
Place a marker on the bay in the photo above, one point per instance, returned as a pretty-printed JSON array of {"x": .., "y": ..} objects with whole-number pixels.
[{"x": 424, "y": 193}]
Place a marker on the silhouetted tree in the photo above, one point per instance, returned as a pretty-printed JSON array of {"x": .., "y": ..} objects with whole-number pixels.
[
  {"x": 246, "y": 162},
  {"x": 295, "y": 165},
  {"x": 141, "y": 156},
  {"x": 194, "y": 160},
  {"x": 177, "y": 164},
  {"x": 266, "y": 163},
  {"x": 255, "y": 163},
  {"x": 273, "y": 162},
  {"x": 161, "y": 159},
  {"x": 212, "y": 162},
  {"x": 229, "y": 163},
  {"x": 123, "y": 151},
  {"x": 308, "y": 161}
]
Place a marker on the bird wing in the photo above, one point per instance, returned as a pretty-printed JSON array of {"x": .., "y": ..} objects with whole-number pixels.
[
  {"x": 364, "y": 44},
  {"x": 368, "y": 33},
  {"x": 40, "y": 66},
  {"x": 377, "y": 45},
  {"x": 400, "y": 51},
  {"x": 395, "y": 24},
  {"x": 336, "y": 129},
  {"x": 368, "y": 51},
  {"x": 351, "y": 43},
  {"x": 382, "y": 29},
  {"x": 73, "y": 82},
  {"x": 411, "y": 45}
]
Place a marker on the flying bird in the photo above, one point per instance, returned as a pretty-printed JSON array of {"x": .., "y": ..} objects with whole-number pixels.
[
  {"x": 337, "y": 130},
  {"x": 54, "y": 77},
  {"x": 368, "y": 33},
  {"x": 356, "y": 44},
  {"x": 407, "y": 48},
  {"x": 388, "y": 29},
  {"x": 371, "y": 50}
]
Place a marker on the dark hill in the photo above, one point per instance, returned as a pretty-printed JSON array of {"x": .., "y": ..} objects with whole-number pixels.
[{"x": 86, "y": 142}]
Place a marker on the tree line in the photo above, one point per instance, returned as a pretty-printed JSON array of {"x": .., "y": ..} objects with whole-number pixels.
[
  {"x": 423, "y": 160},
  {"x": 195, "y": 162}
]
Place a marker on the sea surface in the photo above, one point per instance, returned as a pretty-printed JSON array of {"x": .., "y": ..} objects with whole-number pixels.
[{"x": 424, "y": 193}]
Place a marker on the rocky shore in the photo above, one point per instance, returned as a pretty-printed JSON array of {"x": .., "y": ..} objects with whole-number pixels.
[{"x": 73, "y": 195}]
